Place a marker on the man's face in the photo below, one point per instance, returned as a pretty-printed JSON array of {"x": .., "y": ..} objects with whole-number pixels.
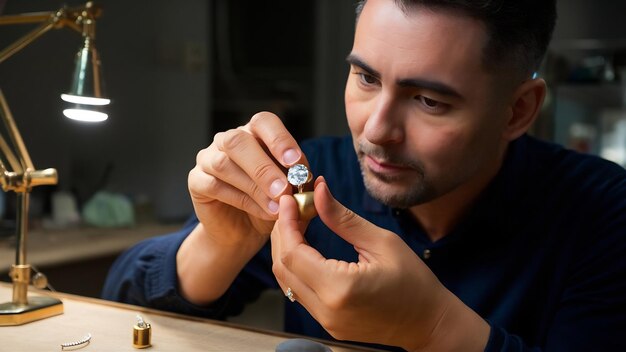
[{"x": 425, "y": 116}]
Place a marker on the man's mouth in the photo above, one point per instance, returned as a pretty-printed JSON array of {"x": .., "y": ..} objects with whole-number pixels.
[{"x": 382, "y": 167}]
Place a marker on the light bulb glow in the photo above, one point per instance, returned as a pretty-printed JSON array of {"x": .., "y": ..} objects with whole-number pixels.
[
  {"x": 85, "y": 115},
  {"x": 77, "y": 99}
]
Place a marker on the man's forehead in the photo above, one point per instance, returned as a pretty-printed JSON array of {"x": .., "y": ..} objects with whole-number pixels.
[{"x": 421, "y": 41}]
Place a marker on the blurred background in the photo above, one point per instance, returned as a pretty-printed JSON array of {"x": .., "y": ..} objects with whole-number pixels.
[{"x": 178, "y": 72}]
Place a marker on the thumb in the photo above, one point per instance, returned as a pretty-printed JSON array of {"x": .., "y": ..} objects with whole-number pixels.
[{"x": 344, "y": 222}]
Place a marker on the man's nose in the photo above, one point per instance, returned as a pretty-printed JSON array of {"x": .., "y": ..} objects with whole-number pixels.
[{"x": 385, "y": 122}]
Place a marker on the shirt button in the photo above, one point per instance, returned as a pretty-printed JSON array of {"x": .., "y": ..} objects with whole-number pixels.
[{"x": 426, "y": 253}]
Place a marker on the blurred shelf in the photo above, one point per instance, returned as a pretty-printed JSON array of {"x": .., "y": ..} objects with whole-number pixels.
[
  {"x": 600, "y": 95},
  {"x": 589, "y": 44},
  {"x": 56, "y": 247}
]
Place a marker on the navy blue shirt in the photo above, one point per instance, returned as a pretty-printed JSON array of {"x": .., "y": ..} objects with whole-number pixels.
[{"x": 540, "y": 256}]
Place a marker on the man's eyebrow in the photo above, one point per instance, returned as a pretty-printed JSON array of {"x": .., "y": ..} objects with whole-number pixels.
[
  {"x": 435, "y": 86},
  {"x": 356, "y": 61}
]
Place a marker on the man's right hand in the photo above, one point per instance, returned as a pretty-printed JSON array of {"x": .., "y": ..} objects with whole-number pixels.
[{"x": 235, "y": 187}]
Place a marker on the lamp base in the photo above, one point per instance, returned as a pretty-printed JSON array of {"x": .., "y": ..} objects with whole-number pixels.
[{"x": 38, "y": 308}]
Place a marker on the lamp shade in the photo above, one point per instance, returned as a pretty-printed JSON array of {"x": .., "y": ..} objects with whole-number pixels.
[{"x": 86, "y": 87}]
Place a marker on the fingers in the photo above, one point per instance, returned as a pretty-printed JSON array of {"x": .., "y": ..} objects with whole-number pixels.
[
  {"x": 319, "y": 284},
  {"x": 287, "y": 279},
  {"x": 242, "y": 149},
  {"x": 251, "y": 159},
  {"x": 215, "y": 171},
  {"x": 293, "y": 252},
  {"x": 272, "y": 132},
  {"x": 201, "y": 185},
  {"x": 293, "y": 229}
]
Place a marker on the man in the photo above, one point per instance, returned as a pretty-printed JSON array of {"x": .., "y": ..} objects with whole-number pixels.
[{"x": 448, "y": 229}]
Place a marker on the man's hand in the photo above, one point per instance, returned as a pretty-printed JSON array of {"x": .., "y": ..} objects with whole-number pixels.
[
  {"x": 388, "y": 297},
  {"x": 234, "y": 187},
  {"x": 238, "y": 179}
]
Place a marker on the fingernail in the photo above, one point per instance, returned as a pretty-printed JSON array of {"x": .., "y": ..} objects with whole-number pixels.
[
  {"x": 273, "y": 206},
  {"x": 290, "y": 156},
  {"x": 277, "y": 187}
]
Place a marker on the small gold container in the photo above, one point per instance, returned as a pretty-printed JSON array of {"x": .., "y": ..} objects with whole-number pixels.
[{"x": 142, "y": 333}]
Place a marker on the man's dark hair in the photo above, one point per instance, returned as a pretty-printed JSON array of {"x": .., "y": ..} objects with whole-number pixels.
[{"x": 519, "y": 30}]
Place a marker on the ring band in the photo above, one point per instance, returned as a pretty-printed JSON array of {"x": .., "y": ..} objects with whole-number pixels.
[{"x": 289, "y": 294}]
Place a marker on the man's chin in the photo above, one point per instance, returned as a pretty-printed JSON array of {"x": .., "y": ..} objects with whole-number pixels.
[
  {"x": 399, "y": 201},
  {"x": 393, "y": 194}
]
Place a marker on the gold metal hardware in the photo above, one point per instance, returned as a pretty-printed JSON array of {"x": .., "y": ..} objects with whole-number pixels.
[
  {"x": 20, "y": 175},
  {"x": 142, "y": 334}
]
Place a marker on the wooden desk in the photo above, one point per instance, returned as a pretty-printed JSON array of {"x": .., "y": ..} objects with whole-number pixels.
[{"x": 111, "y": 324}]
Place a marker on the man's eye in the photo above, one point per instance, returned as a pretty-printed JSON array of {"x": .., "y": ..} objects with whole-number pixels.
[
  {"x": 429, "y": 102},
  {"x": 432, "y": 106},
  {"x": 367, "y": 79}
]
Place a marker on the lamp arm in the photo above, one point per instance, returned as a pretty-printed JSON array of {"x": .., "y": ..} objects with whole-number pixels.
[
  {"x": 25, "y": 161},
  {"x": 25, "y": 18},
  {"x": 11, "y": 158},
  {"x": 25, "y": 40},
  {"x": 4, "y": 173},
  {"x": 24, "y": 176},
  {"x": 80, "y": 19}
]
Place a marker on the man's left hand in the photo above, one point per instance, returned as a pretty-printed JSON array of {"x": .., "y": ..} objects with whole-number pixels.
[{"x": 388, "y": 297}]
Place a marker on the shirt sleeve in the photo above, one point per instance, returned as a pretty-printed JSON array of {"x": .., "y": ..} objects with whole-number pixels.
[
  {"x": 501, "y": 341},
  {"x": 145, "y": 275}
]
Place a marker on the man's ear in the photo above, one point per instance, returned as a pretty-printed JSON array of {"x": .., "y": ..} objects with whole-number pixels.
[{"x": 525, "y": 107}]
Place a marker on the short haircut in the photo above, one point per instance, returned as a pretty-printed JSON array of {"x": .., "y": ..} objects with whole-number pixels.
[{"x": 519, "y": 31}]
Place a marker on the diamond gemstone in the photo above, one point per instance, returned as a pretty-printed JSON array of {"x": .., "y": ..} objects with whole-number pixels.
[{"x": 298, "y": 175}]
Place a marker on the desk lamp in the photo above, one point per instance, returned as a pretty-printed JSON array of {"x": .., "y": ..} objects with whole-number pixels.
[{"x": 18, "y": 174}]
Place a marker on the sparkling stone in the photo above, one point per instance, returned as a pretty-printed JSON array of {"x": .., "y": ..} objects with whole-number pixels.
[{"x": 298, "y": 175}]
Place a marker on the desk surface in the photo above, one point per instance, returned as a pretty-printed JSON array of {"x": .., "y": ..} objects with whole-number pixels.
[{"x": 110, "y": 325}]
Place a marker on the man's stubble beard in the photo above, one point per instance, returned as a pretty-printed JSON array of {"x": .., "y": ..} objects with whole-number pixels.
[{"x": 416, "y": 191}]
